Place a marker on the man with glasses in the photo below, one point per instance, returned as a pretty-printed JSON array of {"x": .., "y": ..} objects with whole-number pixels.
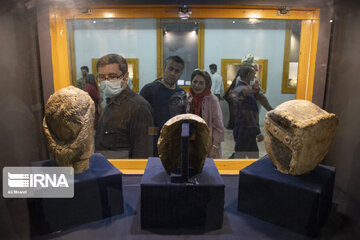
[
  {"x": 124, "y": 125},
  {"x": 166, "y": 98}
]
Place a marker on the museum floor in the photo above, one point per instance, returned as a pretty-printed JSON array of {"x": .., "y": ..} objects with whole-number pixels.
[{"x": 227, "y": 146}]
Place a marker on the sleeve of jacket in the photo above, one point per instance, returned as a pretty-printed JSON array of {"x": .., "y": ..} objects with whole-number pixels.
[
  {"x": 217, "y": 121},
  {"x": 146, "y": 93},
  {"x": 227, "y": 95},
  {"x": 140, "y": 140},
  {"x": 264, "y": 101},
  {"x": 222, "y": 93}
]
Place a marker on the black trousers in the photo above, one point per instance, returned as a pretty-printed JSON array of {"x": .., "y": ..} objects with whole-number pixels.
[{"x": 246, "y": 147}]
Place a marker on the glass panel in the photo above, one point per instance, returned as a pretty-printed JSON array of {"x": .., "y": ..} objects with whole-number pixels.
[
  {"x": 267, "y": 45},
  {"x": 291, "y": 56},
  {"x": 131, "y": 38},
  {"x": 228, "y": 42},
  {"x": 181, "y": 39}
]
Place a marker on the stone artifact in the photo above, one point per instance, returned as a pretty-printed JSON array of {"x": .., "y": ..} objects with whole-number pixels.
[
  {"x": 169, "y": 143},
  {"x": 299, "y": 135},
  {"x": 69, "y": 128}
]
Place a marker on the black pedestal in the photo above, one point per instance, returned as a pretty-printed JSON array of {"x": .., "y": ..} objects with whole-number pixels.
[
  {"x": 165, "y": 205},
  {"x": 97, "y": 195},
  {"x": 300, "y": 203}
]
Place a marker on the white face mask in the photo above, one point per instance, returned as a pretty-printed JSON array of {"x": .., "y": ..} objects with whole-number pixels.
[{"x": 111, "y": 88}]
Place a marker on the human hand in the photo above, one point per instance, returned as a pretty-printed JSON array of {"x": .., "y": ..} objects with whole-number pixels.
[
  {"x": 213, "y": 152},
  {"x": 256, "y": 86},
  {"x": 260, "y": 137}
]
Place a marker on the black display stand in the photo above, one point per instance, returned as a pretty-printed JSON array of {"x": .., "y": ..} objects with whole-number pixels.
[
  {"x": 300, "y": 203},
  {"x": 198, "y": 204},
  {"x": 97, "y": 195}
]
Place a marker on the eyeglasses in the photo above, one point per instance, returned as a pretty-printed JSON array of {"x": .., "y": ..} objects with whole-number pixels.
[{"x": 110, "y": 77}]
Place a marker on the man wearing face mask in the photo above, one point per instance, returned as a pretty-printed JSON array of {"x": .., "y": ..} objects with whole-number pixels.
[
  {"x": 124, "y": 125},
  {"x": 166, "y": 98}
]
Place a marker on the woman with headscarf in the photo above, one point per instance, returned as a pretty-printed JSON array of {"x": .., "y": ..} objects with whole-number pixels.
[
  {"x": 92, "y": 89},
  {"x": 207, "y": 106}
]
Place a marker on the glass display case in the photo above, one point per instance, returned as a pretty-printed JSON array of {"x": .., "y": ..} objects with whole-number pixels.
[
  {"x": 289, "y": 46},
  {"x": 275, "y": 39}
]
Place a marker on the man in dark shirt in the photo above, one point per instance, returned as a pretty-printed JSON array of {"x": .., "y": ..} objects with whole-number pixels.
[
  {"x": 123, "y": 128},
  {"x": 165, "y": 97},
  {"x": 258, "y": 92},
  {"x": 246, "y": 113}
]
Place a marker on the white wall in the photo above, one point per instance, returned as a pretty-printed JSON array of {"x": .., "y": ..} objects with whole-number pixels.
[
  {"x": 236, "y": 41},
  {"x": 135, "y": 38}
]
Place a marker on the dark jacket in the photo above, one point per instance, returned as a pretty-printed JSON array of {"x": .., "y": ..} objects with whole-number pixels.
[
  {"x": 124, "y": 125},
  {"x": 245, "y": 111}
]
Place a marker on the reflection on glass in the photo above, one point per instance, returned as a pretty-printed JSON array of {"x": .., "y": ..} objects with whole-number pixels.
[
  {"x": 274, "y": 43},
  {"x": 131, "y": 71},
  {"x": 231, "y": 72},
  {"x": 131, "y": 38},
  {"x": 181, "y": 82},
  {"x": 180, "y": 38},
  {"x": 229, "y": 68},
  {"x": 291, "y": 56}
]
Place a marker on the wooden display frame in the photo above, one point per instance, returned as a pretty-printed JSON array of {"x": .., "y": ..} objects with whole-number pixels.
[
  {"x": 225, "y": 63},
  {"x": 263, "y": 65},
  {"x": 285, "y": 88},
  {"x": 308, "y": 41},
  {"x": 224, "y": 166}
]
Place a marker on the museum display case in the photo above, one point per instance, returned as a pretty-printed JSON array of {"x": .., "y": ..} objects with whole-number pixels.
[
  {"x": 135, "y": 197},
  {"x": 150, "y": 34}
]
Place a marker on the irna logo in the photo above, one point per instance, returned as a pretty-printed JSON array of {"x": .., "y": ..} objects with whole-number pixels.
[
  {"x": 38, "y": 182},
  {"x": 35, "y": 180}
]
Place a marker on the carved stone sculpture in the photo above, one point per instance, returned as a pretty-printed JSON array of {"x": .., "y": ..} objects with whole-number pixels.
[
  {"x": 69, "y": 128},
  {"x": 299, "y": 135},
  {"x": 169, "y": 143}
]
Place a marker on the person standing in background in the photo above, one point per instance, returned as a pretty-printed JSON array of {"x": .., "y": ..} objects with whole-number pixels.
[
  {"x": 165, "y": 96},
  {"x": 123, "y": 127},
  {"x": 207, "y": 106},
  {"x": 80, "y": 83},
  {"x": 246, "y": 124},
  {"x": 92, "y": 89},
  {"x": 217, "y": 86}
]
